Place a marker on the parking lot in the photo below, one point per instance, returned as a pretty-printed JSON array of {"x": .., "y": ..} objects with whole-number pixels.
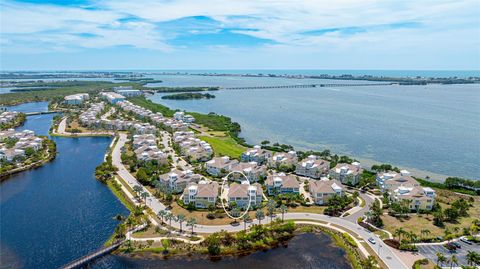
[{"x": 430, "y": 252}]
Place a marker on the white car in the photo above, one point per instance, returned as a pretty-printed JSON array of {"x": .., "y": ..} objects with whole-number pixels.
[{"x": 371, "y": 240}]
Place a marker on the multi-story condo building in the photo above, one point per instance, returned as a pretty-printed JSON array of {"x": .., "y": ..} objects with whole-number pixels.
[
  {"x": 257, "y": 154},
  {"x": 243, "y": 193},
  {"x": 177, "y": 180},
  {"x": 202, "y": 194},
  {"x": 347, "y": 173},
  {"x": 281, "y": 184},
  {"x": 312, "y": 167},
  {"x": 323, "y": 190},
  {"x": 251, "y": 170},
  {"x": 76, "y": 99},
  {"x": 283, "y": 159},
  {"x": 219, "y": 166},
  {"x": 421, "y": 198}
]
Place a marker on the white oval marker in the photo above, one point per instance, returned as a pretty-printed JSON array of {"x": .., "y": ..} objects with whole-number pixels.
[{"x": 249, "y": 197}]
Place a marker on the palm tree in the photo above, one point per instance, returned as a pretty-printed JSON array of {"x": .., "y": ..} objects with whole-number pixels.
[
  {"x": 413, "y": 237},
  {"x": 284, "y": 210},
  {"x": 259, "y": 215},
  {"x": 271, "y": 208},
  {"x": 191, "y": 222},
  {"x": 453, "y": 260},
  {"x": 245, "y": 218},
  {"x": 369, "y": 263},
  {"x": 169, "y": 216},
  {"x": 440, "y": 258},
  {"x": 425, "y": 232},
  {"x": 473, "y": 257},
  {"x": 399, "y": 232},
  {"x": 144, "y": 196},
  {"x": 137, "y": 189},
  {"x": 161, "y": 214},
  {"x": 181, "y": 219}
]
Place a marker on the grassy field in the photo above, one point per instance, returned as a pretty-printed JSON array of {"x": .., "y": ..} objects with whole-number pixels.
[
  {"x": 416, "y": 223},
  {"x": 308, "y": 209},
  {"x": 224, "y": 146}
]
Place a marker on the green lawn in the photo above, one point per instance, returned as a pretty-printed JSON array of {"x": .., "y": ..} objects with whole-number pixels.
[{"x": 225, "y": 146}]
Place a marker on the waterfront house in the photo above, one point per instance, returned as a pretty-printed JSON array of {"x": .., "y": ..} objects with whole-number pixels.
[
  {"x": 347, "y": 173},
  {"x": 257, "y": 154},
  {"x": 281, "y": 184},
  {"x": 322, "y": 190},
  {"x": 219, "y": 166},
  {"x": 283, "y": 160},
  {"x": 202, "y": 194},
  {"x": 176, "y": 180},
  {"x": 8, "y": 117},
  {"x": 243, "y": 193},
  {"x": 312, "y": 167},
  {"x": 129, "y": 93},
  {"x": 389, "y": 181},
  {"x": 420, "y": 198}
]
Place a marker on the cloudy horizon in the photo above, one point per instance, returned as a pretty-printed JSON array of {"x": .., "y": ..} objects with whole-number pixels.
[{"x": 212, "y": 34}]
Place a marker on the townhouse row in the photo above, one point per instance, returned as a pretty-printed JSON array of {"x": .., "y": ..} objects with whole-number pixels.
[
  {"x": 23, "y": 141},
  {"x": 191, "y": 147},
  {"x": 91, "y": 119},
  {"x": 146, "y": 149},
  {"x": 8, "y": 117}
]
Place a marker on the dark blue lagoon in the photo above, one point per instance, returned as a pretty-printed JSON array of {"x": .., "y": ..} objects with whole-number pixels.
[
  {"x": 304, "y": 251},
  {"x": 58, "y": 212}
]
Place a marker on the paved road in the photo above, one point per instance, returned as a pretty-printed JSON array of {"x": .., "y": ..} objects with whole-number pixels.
[
  {"x": 368, "y": 201},
  {"x": 380, "y": 248},
  {"x": 430, "y": 251}
]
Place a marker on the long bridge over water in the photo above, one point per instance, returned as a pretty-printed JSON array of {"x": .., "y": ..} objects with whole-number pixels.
[{"x": 308, "y": 86}]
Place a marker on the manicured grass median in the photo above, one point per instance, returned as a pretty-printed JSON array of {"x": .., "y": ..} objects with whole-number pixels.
[{"x": 225, "y": 146}]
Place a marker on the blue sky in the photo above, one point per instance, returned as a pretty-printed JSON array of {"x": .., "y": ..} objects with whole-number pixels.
[{"x": 247, "y": 34}]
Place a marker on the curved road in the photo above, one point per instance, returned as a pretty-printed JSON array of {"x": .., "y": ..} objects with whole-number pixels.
[{"x": 382, "y": 250}]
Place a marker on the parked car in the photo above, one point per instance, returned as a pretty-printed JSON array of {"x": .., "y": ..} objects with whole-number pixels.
[
  {"x": 371, "y": 240},
  {"x": 457, "y": 245},
  {"x": 450, "y": 247},
  {"x": 465, "y": 240}
]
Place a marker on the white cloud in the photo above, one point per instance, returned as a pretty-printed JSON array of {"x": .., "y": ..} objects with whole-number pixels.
[{"x": 34, "y": 28}]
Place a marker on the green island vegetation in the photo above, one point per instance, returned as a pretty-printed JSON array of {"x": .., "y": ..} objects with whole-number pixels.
[
  {"x": 18, "y": 121},
  {"x": 32, "y": 159},
  {"x": 60, "y": 90},
  {"x": 182, "y": 89},
  {"x": 188, "y": 96}
]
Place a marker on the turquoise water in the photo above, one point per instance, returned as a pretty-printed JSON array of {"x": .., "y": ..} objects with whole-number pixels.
[
  {"x": 58, "y": 212},
  {"x": 433, "y": 128}
]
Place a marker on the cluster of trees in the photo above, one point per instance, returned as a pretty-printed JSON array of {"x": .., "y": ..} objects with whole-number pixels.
[
  {"x": 105, "y": 170},
  {"x": 19, "y": 120},
  {"x": 473, "y": 260},
  {"x": 456, "y": 182},
  {"x": 385, "y": 167},
  {"x": 258, "y": 237},
  {"x": 186, "y": 96},
  {"x": 168, "y": 216},
  {"x": 338, "y": 203},
  {"x": 375, "y": 213},
  {"x": 458, "y": 209}
]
